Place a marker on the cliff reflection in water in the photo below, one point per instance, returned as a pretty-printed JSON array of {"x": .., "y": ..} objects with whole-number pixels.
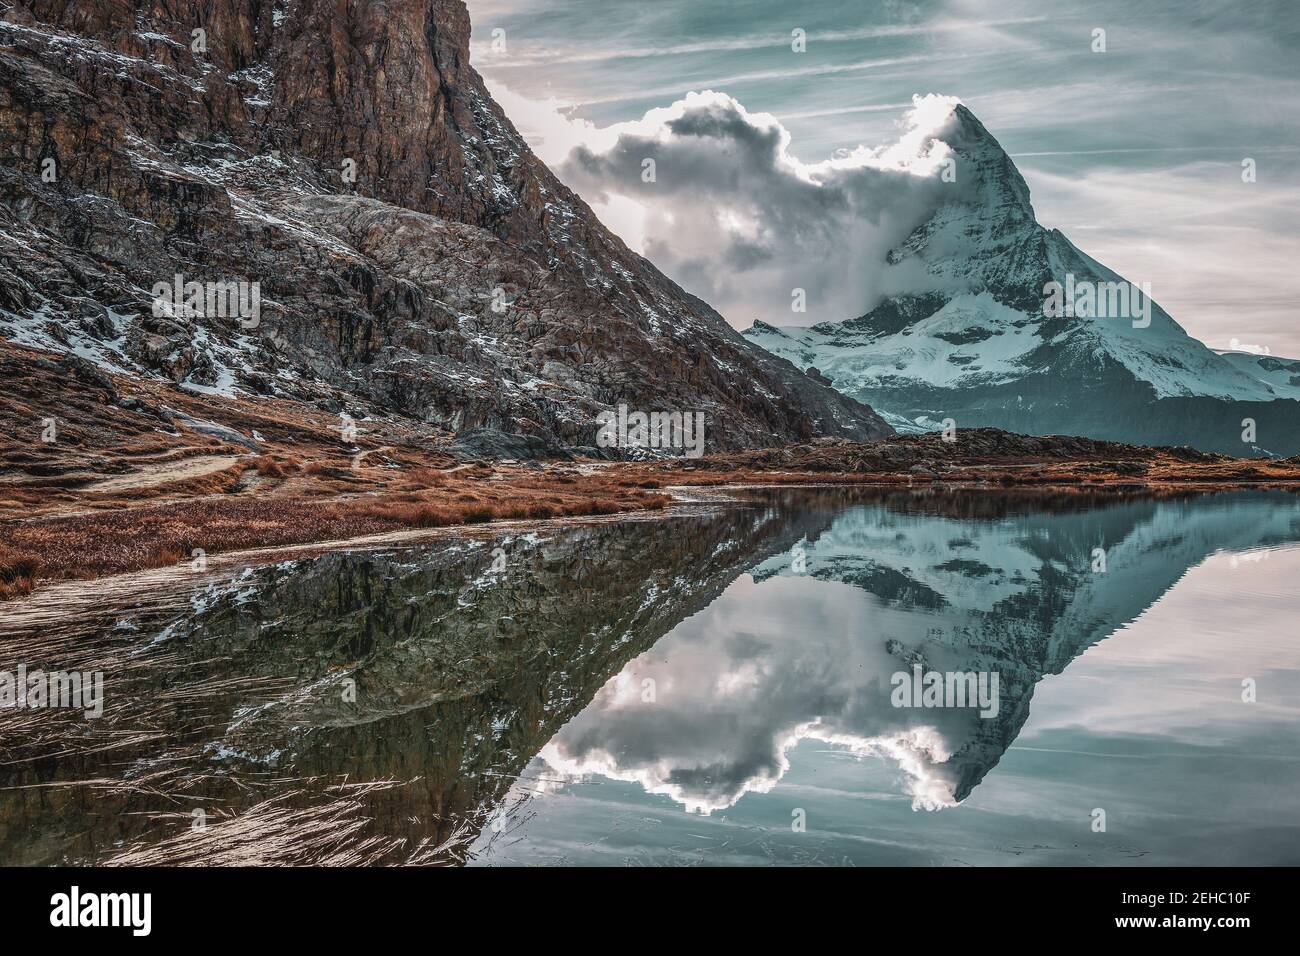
[{"x": 390, "y": 706}]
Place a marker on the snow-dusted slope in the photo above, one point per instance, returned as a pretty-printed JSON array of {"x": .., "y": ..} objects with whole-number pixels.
[
  {"x": 972, "y": 340},
  {"x": 410, "y": 254},
  {"x": 1282, "y": 375}
]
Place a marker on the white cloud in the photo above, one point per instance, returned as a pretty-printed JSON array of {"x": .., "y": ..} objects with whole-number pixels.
[
  {"x": 737, "y": 219},
  {"x": 733, "y": 215},
  {"x": 1169, "y": 93}
]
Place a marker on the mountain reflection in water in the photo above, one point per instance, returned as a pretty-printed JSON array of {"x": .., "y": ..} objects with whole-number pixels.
[{"x": 429, "y": 705}]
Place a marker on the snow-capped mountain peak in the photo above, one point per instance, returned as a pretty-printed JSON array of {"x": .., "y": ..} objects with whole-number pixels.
[{"x": 976, "y": 336}]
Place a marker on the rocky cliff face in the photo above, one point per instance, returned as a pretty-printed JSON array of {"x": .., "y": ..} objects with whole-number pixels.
[{"x": 412, "y": 254}]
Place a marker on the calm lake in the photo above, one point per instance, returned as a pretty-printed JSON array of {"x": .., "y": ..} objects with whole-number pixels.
[{"x": 713, "y": 686}]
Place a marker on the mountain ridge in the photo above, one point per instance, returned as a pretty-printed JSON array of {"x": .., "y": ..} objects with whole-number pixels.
[
  {"x": 971, "y": 341},
  {"x": 414, "y": 256}
]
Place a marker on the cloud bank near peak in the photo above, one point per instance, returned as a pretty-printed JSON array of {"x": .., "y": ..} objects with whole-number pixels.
[{"x": 711, "y": 193}]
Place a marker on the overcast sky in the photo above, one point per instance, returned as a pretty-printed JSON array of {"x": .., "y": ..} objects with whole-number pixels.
[{"x": 1134, "y": 153}]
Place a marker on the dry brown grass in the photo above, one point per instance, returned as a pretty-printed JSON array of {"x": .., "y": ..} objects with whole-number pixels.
[
  {"x": 18, "y": 572},
  {"x": 53, "y": 524},
  {"x": 270, "y": 467},
  {"x": 138, "y": 538},
  {"x": 327, "y": 500},
  {"x": 409, "y": 514},
  {"x": 424, "y": 477}
]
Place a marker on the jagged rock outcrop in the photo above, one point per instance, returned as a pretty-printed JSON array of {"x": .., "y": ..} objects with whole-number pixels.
[{"x": 412, "y": 253}]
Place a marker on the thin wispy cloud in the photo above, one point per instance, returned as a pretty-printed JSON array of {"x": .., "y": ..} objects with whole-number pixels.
[
  {"x": 724, "y": 81},
  {"x": 533, "y": 55},
  {"x": 846, "y": 110}
]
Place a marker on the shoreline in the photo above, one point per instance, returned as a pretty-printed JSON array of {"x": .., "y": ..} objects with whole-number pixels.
[
  {"x": 88, "y": 584},
  {"x": 143, "y": 475}
]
